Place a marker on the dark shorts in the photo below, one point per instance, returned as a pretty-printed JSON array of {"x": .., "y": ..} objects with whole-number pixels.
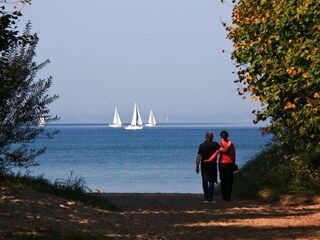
[{"x": 209, "y": 173}]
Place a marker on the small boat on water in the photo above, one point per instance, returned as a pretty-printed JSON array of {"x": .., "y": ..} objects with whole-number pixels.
[
  {"x": 116, "y": 120},
  {"x": 151, "y": 121},
  {"x": 42, "y": 122},
  {"x": 136, "y": 123}
]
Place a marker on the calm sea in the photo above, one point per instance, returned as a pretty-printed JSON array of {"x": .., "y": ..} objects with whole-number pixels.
[{"x": 160, "y": 159}]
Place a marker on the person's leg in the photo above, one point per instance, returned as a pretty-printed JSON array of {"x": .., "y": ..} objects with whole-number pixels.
[
  {"x": 228, "y": 183},
  {"x": 205, "y": 188},
  {"x": 210, "y": 191},
  {"x": 223, "y": 182}
]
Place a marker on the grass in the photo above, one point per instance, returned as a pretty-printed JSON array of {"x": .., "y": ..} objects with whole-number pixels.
[
  {"x": 73, "y": 188},
  {"x": 277, "y": 171},
  {"x": 58, "y": 233}
]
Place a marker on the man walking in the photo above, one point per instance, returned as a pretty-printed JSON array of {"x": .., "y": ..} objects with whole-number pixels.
[{"x": 208, "y": 170}]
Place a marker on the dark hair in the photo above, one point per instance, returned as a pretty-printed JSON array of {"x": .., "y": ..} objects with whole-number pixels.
[
  {"x": 209, "y": 136},
  {"x": 224, "y": 135}
]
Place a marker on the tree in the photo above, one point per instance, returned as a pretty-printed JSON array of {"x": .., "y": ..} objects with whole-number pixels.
[
  {"x": 276, "y": 50},
  {"x": 8, "y": 18},
  {"x": 23, "y": 99}
]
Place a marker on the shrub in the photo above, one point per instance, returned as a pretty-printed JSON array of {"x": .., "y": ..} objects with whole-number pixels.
[{"x": 277, "y": 171}]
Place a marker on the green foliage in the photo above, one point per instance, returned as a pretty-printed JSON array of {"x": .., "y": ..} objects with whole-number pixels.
[
  {"x": 9, "y": 35},
  {"x": 58, "y": 232},
  {"x": 277, "y": 54},
  {"x": 275, "y": 171},
  {"x": 23, "y": 99},
  {"x": 74, "y": 188},
  {"x": 73, "y": 184}
]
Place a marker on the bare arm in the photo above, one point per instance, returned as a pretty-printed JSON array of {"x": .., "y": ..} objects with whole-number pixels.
[
  {"x": 226, "y": 148},
  {"x": 212, "y": 157},
  {"x": 198, "y": 162}
]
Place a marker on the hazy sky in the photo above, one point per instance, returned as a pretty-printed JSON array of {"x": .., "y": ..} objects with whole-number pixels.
[{"x": 166, "y": 55}]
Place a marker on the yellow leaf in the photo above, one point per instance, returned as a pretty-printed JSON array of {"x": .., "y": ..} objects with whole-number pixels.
[
  {"x": 253, "y": 99},
  {"x": 294, "y": 72},
  {"x": 309, "y": 105},
  {"x": 249, "y": 78},
  {"x": 291, "y": 71},
  {"x": 289, "y": 106}
]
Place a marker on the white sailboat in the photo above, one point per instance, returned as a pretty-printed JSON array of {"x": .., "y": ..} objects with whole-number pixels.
[
  {"x": 116, "y": 120},
  {"x": 42, "y": 122},
  {"x": 136, "y": 123},
  {"x": 151, "y": 121}
]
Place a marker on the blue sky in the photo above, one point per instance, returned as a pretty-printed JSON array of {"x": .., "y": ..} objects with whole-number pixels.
[{"x": 165, "y": 55}]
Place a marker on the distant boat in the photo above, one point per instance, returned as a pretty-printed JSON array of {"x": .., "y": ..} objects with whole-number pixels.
[
  {"x": 42, "y": 122},
  {"x": 116, "y": 120},
  {"x": 136, "y": 123},
  {"x": 151, "y": 121}
]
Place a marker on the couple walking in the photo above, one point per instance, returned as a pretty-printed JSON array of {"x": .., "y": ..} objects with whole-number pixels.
[{"x": 207, "y": 159}]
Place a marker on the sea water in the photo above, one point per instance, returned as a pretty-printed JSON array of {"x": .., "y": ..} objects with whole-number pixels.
[{"x": 159, "y": 159}]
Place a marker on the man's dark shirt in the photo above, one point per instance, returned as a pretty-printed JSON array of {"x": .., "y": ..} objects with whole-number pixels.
[{"x": 206, "y": 149}]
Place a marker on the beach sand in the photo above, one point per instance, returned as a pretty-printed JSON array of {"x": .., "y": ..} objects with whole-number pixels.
[{"x": 162, "y": 216}]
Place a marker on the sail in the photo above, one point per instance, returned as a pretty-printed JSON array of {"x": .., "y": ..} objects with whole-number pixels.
[
  {"x": 136, "y": 122},
  {"x": 116, "y": 120},
  {"x": 152, "y": 120},
  {"x": 139, "y": 120},
  {"x": 136, "y": 117}
]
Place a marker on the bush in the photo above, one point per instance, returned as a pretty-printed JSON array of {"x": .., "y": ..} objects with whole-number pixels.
[
  {"x": 277, "y": 171},
  {"x": 74, "y": 188}
]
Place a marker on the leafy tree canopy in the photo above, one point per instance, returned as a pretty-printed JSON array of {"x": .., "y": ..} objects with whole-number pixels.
[
  {"x": 276, "y": 50},
  {"x": 23, "y": 98},
  {"x": 9, "y": 14}
]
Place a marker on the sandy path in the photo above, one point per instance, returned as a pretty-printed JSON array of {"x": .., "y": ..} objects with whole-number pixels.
[{"x": 160, "y": 216}]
